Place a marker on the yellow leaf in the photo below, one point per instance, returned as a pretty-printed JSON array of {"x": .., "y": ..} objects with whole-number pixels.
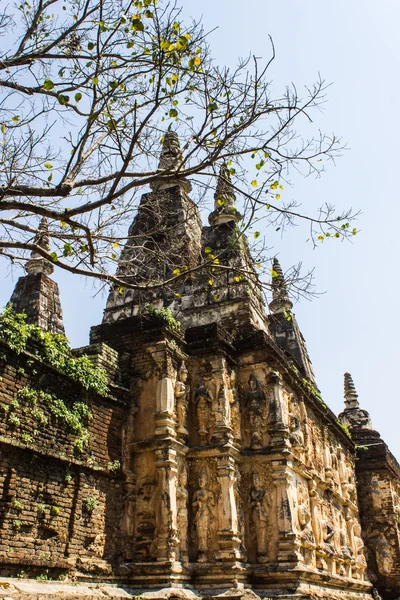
[
  {"x": 187, "y": 36},
  {"x": 281, "y": 187},
  {"x": 216, "y": 261},
  {"x": 178, "y": 295},
  {"x": 171, "y": 47},
  {"x": 354, "y": 232},
  {"x": 116, "y": 245},
  {"x": 320, "y": 238},
  {"x": 63, "y": 224},
  {"x": 176, "y": 271},
  {"x": 273, "y": 273},
  {"x": 121, "y": 290},
  {"x": 3, "y": 128},
  {"x": 197, "y": 61},
  {"x": 254, "y": 183},
  {"x": 237, "y": 278},
  {"x": 278, "y": 196},
  {"x": 256, "y": 234},
  {"x": 210, "y": 282}
]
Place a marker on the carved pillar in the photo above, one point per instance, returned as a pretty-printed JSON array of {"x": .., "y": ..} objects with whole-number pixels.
[
  {"x": 278, "y": 427},
  {"x": 228, "y": 539},
  {"x": 166, "y": 522},
  {"x": 128, "y": 521},
  {"x": 286, "y": 537}
]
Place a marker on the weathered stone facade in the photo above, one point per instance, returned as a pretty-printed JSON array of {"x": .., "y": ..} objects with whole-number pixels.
[{"x": 233, "y": 472}]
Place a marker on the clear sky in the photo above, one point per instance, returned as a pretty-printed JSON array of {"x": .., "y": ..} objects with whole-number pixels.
[{"x": 354, "y": 325}]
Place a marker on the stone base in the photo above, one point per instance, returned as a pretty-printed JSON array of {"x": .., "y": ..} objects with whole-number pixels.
[{"x": 31, "y": 589}]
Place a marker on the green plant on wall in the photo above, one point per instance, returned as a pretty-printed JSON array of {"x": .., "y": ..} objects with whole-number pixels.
[
  {"x": 53, "y": 348},
  {"x": 74, "y": 419},
  {"x": 90, "y": 504}
]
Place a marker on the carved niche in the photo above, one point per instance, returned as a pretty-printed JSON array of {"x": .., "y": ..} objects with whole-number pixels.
[
  {"x": 235, "y": 408},
  {"x": 296, "y": 426},
  {"x": 204, "y": 398},
  {"x": 145, "y": 518},
  {"x": 256, "y": 417}
]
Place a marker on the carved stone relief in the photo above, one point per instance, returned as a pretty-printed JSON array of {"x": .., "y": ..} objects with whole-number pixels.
[
  {"x": 259, "y": 505},
  {"x": 383, "y": 554},
  {"x": 304, "y": 521},
  {"x": 145, "y": 530},
  {"x": 235, "y": 408},
  {"x": 181, "y": 398},
  {"x": 204, "y": 399},
  {"x": 255, "y": 412},
  {"x": 182, "y": 497},
  {"x": 203, "y": 505}
]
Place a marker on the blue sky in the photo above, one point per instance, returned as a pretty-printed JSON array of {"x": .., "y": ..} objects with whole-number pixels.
[{"x": 353, "y": 326}]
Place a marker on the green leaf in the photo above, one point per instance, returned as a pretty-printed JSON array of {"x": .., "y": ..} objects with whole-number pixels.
[
  {"x": 54, "y": 256},
  {"x": 48, "y": 165},
  {"x": 212, "y": 106},
  {"x": 207, "y": 249},
  {"x": 48, "y": 84},
  {"x": 95, "y": 80},
  {"x": 62, "y": 99},
  {"x": 137, "y": 25},
  {"x": 256, "y": 234},
  {"x": 3, "y": 128},
  {"x": 173, "y": 112},
  {"x": 78, "y": 97},
  {"x": 15, "y": 119},
  {"x": 67, "y": 250}
]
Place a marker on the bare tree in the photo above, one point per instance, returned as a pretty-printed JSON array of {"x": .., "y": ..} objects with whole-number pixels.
[{"x": 88, "y": 88}]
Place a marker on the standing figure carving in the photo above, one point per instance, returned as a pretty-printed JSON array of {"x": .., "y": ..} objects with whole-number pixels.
[
  {"x": 361, "y": 563},
  {"x": 182, "y": 515},
  {"x": 255, "y": 403},
  {"x": 296, "y": 433},
  {"x": 181, "y": 396},
  {"x": 235, "y": 408},
  {"x": 146, "y": 517},
  {"x": 204, "y": 399},
  {"x": 259, "y": 502},
  {"x": 307, "y": 535},
  {"x": 203, "y": 504}
]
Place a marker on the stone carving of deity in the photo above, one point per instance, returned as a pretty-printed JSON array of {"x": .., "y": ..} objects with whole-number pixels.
[
  {"x": 182, "y": 515},
  {"x": 204, "y": 399},
  {"x": 306, "y": 535},
  {"x": 235, "y": 408},
  {"x": 296, "y": 433},
  {"x": 239, "y": 506},
  {"x": 181, "y": 396},
  {"x": 203, "y": 504},
  {"x": 255, "y": 404},
  {"x": 383, "y": 554},
  {"x": 259, "y": 502},
  {"x": 361, "y": 563},
  {"x": 328, "y": 534}
]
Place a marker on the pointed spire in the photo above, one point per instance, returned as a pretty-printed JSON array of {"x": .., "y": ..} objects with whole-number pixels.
[
  {"x": 353, "y": 416},
  {"x": 171, "y": 159},
  {"x": 350, "y": 394},
  {"x": 280, "y": 299},
  {"x": 224, "y": 200},
  {"x": 38, "y": 264}
]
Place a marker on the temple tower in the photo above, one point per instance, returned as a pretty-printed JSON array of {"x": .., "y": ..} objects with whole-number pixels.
[{"x": 36, "y": 294}]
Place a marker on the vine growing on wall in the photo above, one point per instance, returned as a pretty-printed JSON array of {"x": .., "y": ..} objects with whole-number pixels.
[
  {"x": 53, "y": 349},
  {"x": 74, "y": 419}
]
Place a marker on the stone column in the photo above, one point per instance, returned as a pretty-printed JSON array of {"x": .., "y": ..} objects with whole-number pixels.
[
  {"x": 228, "y": 538},
  {"x": 286, "y": 535},
  {"x": 166, "y": 521}
]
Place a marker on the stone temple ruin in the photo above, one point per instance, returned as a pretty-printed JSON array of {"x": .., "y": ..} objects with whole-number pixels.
[{"x": 211, "y": 463}]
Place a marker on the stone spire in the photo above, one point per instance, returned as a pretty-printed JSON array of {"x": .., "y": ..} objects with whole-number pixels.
[
  {"x": 350, "y": 394},
  {"x": 283, "y": 324},
  {"x": 353, "y": 416},
  {"x": 280, "y": 299},
  {"x": 38, "y": 264},
  {"x": 36, "y": 294},
  {"x": 171, "y": 159},
  {"x": 225, "y": 210}
]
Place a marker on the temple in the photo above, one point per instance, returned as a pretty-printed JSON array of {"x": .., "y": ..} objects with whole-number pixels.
[{"x": 209, "y": 464}]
